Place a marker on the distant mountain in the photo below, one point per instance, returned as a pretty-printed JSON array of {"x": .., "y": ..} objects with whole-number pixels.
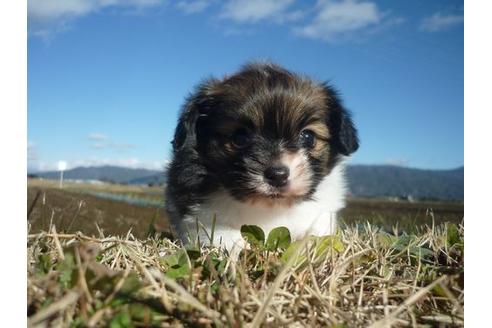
[
  {"x": 104, "y": 173},
  {"x": 364, "y": 180},
  {"x": 395, "y": 181},
  {"x": 154, "y": 179}
]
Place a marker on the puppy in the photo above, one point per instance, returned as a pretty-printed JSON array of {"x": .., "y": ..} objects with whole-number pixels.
[{"x": 262, "y": 147}]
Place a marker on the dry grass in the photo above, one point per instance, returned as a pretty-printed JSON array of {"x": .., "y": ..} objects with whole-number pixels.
[{"x": 359, "y": 278}]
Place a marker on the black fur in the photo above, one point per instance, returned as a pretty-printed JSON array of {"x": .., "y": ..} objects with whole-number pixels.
[
  {"x": 258, "y": 100},
  {"x": 340, "y": 121}
]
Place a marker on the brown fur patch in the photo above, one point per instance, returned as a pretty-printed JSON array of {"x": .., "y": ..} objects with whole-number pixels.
[
  {"x": 322, "y": 134},
  {"x": 258, "y": 88},
  {"x": 272, "y": 100},
  {"x": 320, "y": 129}
]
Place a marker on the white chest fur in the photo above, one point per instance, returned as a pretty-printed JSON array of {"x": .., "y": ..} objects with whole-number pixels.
[{"x": 313, "y": 217}]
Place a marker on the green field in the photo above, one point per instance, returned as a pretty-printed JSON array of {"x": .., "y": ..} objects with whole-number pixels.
[
  {"x": 95, "y": 260},
  {"x": 86, "y": 208},
  {"x": 117, "y": 208}
]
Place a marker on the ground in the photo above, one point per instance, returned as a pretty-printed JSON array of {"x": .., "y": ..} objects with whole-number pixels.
[
  {"x": 79, "y": 207},
  {"x": 390, "y": 264}
]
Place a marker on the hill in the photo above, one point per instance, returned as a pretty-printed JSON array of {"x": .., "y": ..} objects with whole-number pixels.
[
  {"x": 104, "y": 173},
  {"x": 402, "y": 182},
  {"x": 364, "y": 180}
]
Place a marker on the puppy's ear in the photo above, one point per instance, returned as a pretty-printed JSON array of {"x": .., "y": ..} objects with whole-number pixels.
[
  {"x": 198, "y": 104},
  {"x": 345, "y": 137}
]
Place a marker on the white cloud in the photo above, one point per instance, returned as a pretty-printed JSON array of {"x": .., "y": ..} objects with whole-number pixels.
[
  {"x": 121, "y": 147},
  {"x": 194, "y": 6},
  {"x": 46, "y": 17},
  {"x": 96, "y": 136},
  {"x": 99, "y": 145},
  {"x": 32, "y": 154},
  {"x": 337, "y": 18},
  {"x": 251, "y": 11},
  {"x": 440, "y": 21},
  {"x": 101, "y": 141},
  {"x": 45, "y": 10},
  {"x": 397, "y": 161},
  {"x": 130, "y": 162}
]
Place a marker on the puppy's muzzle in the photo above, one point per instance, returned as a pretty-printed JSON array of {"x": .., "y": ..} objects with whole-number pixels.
[{"x": 277, "y": 175}]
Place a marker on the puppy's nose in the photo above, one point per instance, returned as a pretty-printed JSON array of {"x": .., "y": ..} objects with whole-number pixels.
[{"x": 277, "y": 175}]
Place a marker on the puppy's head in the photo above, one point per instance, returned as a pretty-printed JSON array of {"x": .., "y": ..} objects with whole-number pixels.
[{"x": 265, "y": 134}]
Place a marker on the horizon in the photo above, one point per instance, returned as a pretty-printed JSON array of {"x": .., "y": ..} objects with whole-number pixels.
[
  {"x": 106, "y": 80},
  {"x": 164, "y": 168}
]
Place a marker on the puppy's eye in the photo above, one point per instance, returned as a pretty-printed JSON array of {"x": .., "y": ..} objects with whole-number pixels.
[
  {"x": 307, "y": 138},
  {"x": 241, "y": 138}
]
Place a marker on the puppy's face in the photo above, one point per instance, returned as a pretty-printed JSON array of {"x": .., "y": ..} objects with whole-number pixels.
[{"x": 266, "y": 135}]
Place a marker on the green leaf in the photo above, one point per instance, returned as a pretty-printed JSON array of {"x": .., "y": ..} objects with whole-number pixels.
[
  {"x": 439, "y": 291},
  {"x": 177, "y": 259},
  {"x": 386, "y": 240},
  {"x": 254, "y": 235},
  {"x": 214, "y": 287},
  {"x": 119, "y": 300},
  {"x": 453, "y": 235},
  {"x": 178, "y": 272},
  {"x": 47, "y": 302},
  {"x": 293, "y": 250},
  {"x": 177, "y": 264},
  {"x": 78, "y": 322},
  {"x": 182, "y": 258},
  {"x": 140, "y": 312},
  {"x": 322, "y": 245},
  {"x": 43, "y": 264},
  {"x": 221, "y": 266},
  {"x": 327, "y": 243},
  {"x": 278, "y": 238},
  {"x": 420, "y": 251},
  {"x": 121, "y": 320},
  {"x": 68, "y": 272},
  {"x": 131, "y": 284},
  {"x": 151, "y": 230},
  {"x": 404, "y": 244}
]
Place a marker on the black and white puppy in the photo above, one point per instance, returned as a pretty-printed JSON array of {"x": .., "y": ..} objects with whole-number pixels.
[{"x": 264, "y": 147}]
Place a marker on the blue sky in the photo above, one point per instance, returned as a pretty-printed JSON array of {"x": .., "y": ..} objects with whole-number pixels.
[{"x": 106, "y": 78}]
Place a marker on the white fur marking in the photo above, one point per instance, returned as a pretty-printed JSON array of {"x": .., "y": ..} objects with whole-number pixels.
[
  {"x": 300, "y": 176},
  {"x": 314, "y": 217}
]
